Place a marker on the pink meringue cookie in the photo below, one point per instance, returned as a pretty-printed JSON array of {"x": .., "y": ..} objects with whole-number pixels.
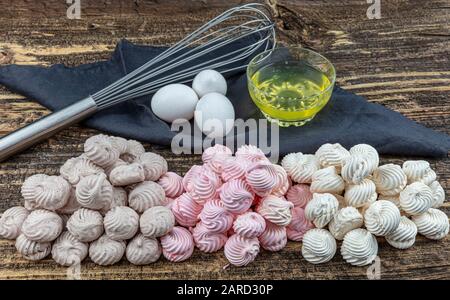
[
  {"x": 234, "y": 168},
  {"x": 215, "y": 217},
  {"x": 299, "y": 225},
  {"x": 262, "y": 177},
  {"x": 237, "y": 196},
  {"x": 249, "y": 225},
  {"x": 217, "y": 161},
  {"x": 205, "y": 185},
  {"x": 299, "y": 194},
  {"x": 241, "y": 251},
  {"x": 276, "y": 210},
  {"x": 207, "y": 241},
  {"x": 177, "y": 245},
  {"x": 191, "y": 174},
  {"x": 284, "y": 182},
  {"x": 172, "y": 183},
  {"x": 210, "y": 152},
  {"x": 251, "y": 153},
  {"x": 186, "y": 210},
  {"x": 273, "y": 238}
]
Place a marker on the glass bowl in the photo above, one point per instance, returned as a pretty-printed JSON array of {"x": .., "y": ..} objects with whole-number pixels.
[{"x": 290, "y": 85}]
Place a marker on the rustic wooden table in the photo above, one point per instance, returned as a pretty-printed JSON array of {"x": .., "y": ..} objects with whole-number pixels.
[{"x": 400, "y": 61}]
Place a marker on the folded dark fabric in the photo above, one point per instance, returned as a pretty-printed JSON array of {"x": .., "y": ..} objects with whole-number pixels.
[{"x": 348, "y": 118}]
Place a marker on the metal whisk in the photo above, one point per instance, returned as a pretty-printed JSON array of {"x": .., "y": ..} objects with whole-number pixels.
[{"x": 248, "y": 29}]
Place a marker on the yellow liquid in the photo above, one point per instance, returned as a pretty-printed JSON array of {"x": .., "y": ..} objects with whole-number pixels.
[{"x": 290, "y": 93}]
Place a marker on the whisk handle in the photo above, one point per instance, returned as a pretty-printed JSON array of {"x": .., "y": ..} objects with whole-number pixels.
[{"x": 49, "y": 125}]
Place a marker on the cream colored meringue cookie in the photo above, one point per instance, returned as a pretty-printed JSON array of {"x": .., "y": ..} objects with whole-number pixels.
[
  {"x": 382, "y": 218},
  {"x": 359, "y": 248},
  {"x": 94, "y": 192},
  {"x": 389, "y": 179},
  {"x": 72, "y": 204},
  {"x": 120, "y": 198},
  {"x": 156, "y": 221},
  {"x": 68, "y": 251},
  {"x": 32, "y": 250},
  {"x": 42, "y": 226},
  {"x": 319, "y": 246},
  {"x": 105, "y": 251},
  {"x": 355, "y": 168},
  {"x": 86, "y": 225},
  {"x": 143, "y": 250},
  {"x": 369, "y": 152},
  {"x": 300, "y": 167},
  {"x": 154, "y": 165},
  {"x": 361, "y": 194},
  {"x": 433, "y": 224},
  {"x": 127, "y": 174},
  {"x": 133, "y": 151},
  {"x": 327, "y": 181},
  {"x": 101, "y": 150},
  {"x": 438, "y": 194},
  {"x": 404, "y": 236},
  {"x": 78, "y": 167},
  {"x": 145, "y": 195},
  {"x": 418, "y": 170},
  {"x": 11, "y": 222},
  {"x": 121, "y": 223},
  {"x": 332, "y": 155},
  {"x": 321, "y": 209},
  {"x": 276, "y": 210},
  {"x": 416, "y": 198},
  {"x": 43, "y": 191},
  {"x": 346, "y": 219}
]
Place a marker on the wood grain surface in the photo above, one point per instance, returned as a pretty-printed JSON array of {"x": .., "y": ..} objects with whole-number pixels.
[{"x": 400, "y": 61}]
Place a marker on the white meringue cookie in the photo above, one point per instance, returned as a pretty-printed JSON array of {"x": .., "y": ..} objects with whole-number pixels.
[
  {"x": 134, "y": 150},
  {"x": 359, "y": 248},
  {"x": 32, "y": 250},
  {"x": 143, "y": 250},
  {"x": 127, "y": 174},
  {"x": 319, "y": 246},
  {"x": 42, "y": 226},
  {"x": 68, "y": 251},
  {"x": 416, "y": 198},
  {"x": 86, "y": 225},
  {"x": 154, "y": 165},
  {"x": 355, "y": 168},
  {"x": 276, "y": 210},
  {"x": 94, "y": 192},
  {"x": 332, "y": 155},
  {"x": 418, "y": 170},
  {"x": 120, "y": 198},
  {"x": 433, "y": 224},
  {"x": 327, "y": 181},
  {"x": 43, "y": 191},
  {"x": 404, "y": 236},
  {"x": 145, "y": 195},
  {"x": 99, "y": 148},
  {"x": 361, "y": 194},
  {"x": 78, "y": 167},
  {"x": 438, "y": 194},
  {"x": 389, "y": 179},
  {"x": 116, "y": 164},
  {"x": 72, "y": 204},
  {"x": 382, "y": 218},
  {"x": 346, "y": 219},
  {"x": 394, "y": 199},
  {"x": 119, "y": 143},
  {"x": 105, "y": 251},
  {"x": 321, "y": 209},
  {"x": 121, "y": 223},
  {"x": 300, "y": 167},
  {"x": 369, "y": 152},
  {"x": 11, "y": 222},
  {"x": 156, "y": 221}
]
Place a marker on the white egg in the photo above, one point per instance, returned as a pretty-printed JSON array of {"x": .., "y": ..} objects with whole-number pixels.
[
  {"x": 214, "y": 115},
  {"x": 209, "y": 81},
  {"x": 174, "y": 101}
]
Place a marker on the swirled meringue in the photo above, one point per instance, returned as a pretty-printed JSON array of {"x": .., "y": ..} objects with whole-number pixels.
[
  {"x": 319, "y": 246},
  {"x": 94, "y": 191},
  {"x": 332, "y": 155},
  {"x": 361, "y": 194},
  {"x": 438, "y": 194},
  {"x": 274, "y": 237},
  {"x": 389, "y": 179},
  {"x": 355, "y": 169},
  {"x": 433, "y": 224},
  {"x": 299, "y": 225},
  {"x": 143, "y": 250},
  {"x": 116, "y": 164},
  {"x": 119, "y": 143},
  {"x": 368, "y": 152},
  {"x": 186, "y": 210},
  {"x": 262, "y": 177},
  {"x": 205, "y": 185},
  {"x": 283, "y": 182},
  {"x": 86, "y": 225},
  {"x": 99, "y": 148},
  {"x": 418, "y": 170},
  {"x": 72, "y": 204},
  {"x": 327, "y": 181},
  {"x": 78, "y": 167},
  {"x": 237, "y": 196},
  {"x": 249, "y": 225},
  {"x": 68, "y": 251},
  {"x": 43, "y": 191},
  {"x": 127, "y": 174},
  {"x": 11, "y": 222},
  {"x": 404, "y": 236},
  {"x": 207, "y": 241},
  {"x": 121, "y": 223},
  {"x": 177, "y": 245},
  {"x": 250, "y": 153},
  {"x": 382, "y": 218},
  {"x": 241, "y": 251},
  {"x": 346, "y": 219},
  {"x": 215, "y": 217},
  {"x": 299, "y": 194},
  {"x": 133, "y": 151},
  {"x": 106, "y": 252},
  {"x": 145, "y": 195},
  {"x": 191, "y": 174},
  {"x": 276, "y": 210},
  {"x": 210, "y": 152},
  {"x": 156, "y": 221},
  {"x": 154, "y": 165},
  {"x": 234, "y": 168},
  {"x": 32, "y": 250},
  {"x": 394, "y": 199},
  {"x": 120, "y": 198},
  {"x": 359, "y": 247},
  {"x": 172, "y": 184},
  {"x": 300, "y": 167},
  {"x": 321, "y": 209},
  {"x": 416, "y": 198},
  {"x": 42, "y": 226}
]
